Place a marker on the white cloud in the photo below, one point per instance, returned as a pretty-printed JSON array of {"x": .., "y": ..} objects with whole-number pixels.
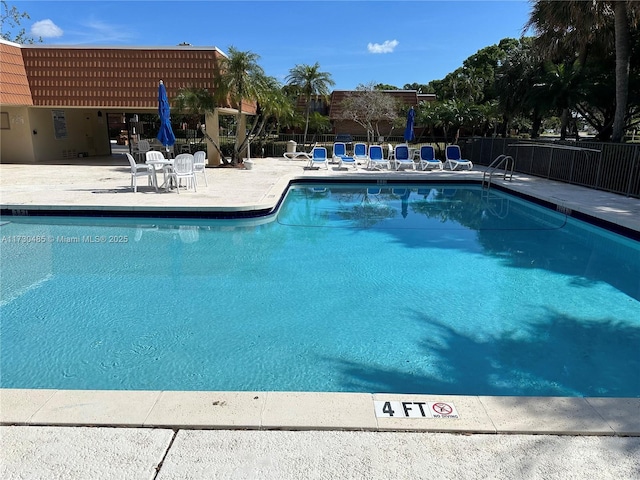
[
  {"x": 387, "y": 47},
  {"x": 97, "y": 31},
  {"x": 46, "y": 29}
]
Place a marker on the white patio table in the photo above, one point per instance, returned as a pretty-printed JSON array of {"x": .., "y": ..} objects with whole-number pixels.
[{"x": 167, "y": 165}]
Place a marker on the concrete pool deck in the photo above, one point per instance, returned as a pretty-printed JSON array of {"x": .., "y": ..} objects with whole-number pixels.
[{"x": 106, "y": 434}]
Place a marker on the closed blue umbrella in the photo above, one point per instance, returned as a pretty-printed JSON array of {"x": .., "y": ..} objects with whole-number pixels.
[
  {"x": 408, "y": 131},
  {"x": 165, "y": 135}
]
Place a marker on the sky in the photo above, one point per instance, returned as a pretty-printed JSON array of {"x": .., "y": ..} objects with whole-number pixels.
[{"x": 356, "y": 42}]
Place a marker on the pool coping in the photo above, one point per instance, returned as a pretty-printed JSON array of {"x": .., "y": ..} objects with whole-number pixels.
[
  {"x": 259, "y": 212},
  {"x": 319, "y": 411}
]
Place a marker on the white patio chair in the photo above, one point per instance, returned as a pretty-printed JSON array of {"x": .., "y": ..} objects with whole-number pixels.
[
  {"x": 200, "y": 164},
  {"x": 138, "y": 170},
  {"x": 142, "y": 148},
  {"x": 154, "y": 169},
  {"x": 183, "y": 169},
  {"x": 390, "y": 153}
]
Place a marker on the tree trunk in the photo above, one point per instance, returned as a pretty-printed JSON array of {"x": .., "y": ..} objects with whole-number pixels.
[
  {"x": 213, "y": 142},
  {"x": 564, "y": 121},
  {"x": 536, "y": 123},
  {"x": 236, "y": 145},
  {"x": 622, "y": 69},
  {"x": 505, "y": 126},
  {"x": 306, "y": 124}
]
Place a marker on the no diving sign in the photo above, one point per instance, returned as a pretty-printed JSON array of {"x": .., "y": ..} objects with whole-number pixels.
[{"x": 415, "y": 409}]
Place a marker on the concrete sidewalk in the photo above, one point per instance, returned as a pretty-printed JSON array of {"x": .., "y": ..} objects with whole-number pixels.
[
  {"x": 73, "y": 435},
  {"x": 107, "y": 453}
]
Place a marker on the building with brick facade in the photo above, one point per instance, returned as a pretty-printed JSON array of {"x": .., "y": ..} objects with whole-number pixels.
[
  {"x": 403, "y": 98},
  {"x": 55, "y": 101}
]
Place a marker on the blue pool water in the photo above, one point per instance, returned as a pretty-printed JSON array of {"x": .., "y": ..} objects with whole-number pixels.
[{"x": 412, "y": 289}]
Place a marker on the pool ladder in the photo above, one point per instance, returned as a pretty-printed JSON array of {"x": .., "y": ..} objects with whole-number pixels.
[
  {"x": 506, "y": 163},
  {"x": 497, "y": 206}
]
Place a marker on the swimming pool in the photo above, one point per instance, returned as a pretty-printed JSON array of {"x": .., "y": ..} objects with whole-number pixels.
[{"x": 358, "y": 288}]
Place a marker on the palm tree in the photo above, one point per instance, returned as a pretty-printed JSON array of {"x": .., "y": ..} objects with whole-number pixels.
[
  {"x": 310, "y": 82},
  {"x": 241, "y": 79},
  {"x": 273, "y": 105},
  {"x": 574, "y": 26},
  {"x": 197, "y": 101},
  {"x": 623, "y": 14},
  {"x": 563, "y": 86},
  {"x": 515, "y": 83},
  {"x": 568, "y": 28}
]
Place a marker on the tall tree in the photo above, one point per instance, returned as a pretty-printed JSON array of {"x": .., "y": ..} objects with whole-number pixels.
[
  {"x": 515, "y": 80},
  {"x": 564, "y": 85},
  {"x": 241, "y": 79},
  {"x": 564, "y": 28},
  {"x": 367, "y": 106},
  {"x": 419, "y": 87},
  {"x": 310, "y": 82},
  {"x": 273, "y": 105},
  {"x": 567, "y": 29},
  {"x": 623, "y": 60},
  {"x": 385, "y": 86}
]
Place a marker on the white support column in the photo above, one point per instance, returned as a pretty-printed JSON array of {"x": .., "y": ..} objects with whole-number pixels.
[{"x": 212, "y": 126}]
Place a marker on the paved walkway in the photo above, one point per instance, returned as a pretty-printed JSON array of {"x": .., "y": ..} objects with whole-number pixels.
[
  {"x": 71, "y": 435},
  {"x": 123, "y": 453}
]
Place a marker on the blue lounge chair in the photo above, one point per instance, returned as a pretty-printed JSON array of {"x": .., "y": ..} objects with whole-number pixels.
[
  {"x": 376, "y": 158},
  {"x": 319, "y": 156},
  {"x": 428, "y": 158},
  {"x": 454, "y": 158},
  {"x": 340, "y": 156},
  {"x": 402, "y": 157},
  {"x": 360, "y": 153}
]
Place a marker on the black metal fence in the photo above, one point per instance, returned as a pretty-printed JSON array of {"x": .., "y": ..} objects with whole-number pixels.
[
  {"x": 612, "y": 167},
  {"x": 276, "y": 147}
]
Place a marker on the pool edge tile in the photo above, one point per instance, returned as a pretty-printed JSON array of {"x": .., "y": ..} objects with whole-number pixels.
[
  {"x": 622, "y": 414},
  {"x": 319, "y": 411},
  {"x": 121, "y": 408},
  {"x": 472, "y": 415},
  {"x": 18, "y": 406},
  {"x": 215, "y": 410},
  {"x": 545, "y": 415}
]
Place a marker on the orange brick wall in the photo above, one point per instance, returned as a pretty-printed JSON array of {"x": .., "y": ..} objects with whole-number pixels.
[{"x": 118, "y": 77}]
